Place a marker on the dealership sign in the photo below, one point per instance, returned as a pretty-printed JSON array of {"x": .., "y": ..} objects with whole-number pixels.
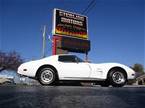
[{"x": 69, "y": 24}]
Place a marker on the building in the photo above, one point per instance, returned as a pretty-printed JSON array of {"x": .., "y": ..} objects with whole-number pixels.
[
  {"x": 6, "y": 81},
  {"x": 140, "y": 80}
]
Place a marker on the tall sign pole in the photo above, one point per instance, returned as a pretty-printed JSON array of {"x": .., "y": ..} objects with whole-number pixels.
[{"x": 44, "y": 41}]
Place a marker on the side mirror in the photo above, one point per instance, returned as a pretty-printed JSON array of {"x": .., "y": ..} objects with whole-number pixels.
[{"x": 76, "y": 60}]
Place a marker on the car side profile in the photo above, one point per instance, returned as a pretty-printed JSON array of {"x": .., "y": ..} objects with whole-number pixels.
[{"x": 51, "y": 70}]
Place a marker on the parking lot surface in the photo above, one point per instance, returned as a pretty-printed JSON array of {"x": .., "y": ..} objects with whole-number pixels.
[{"x": 71, "y": 97}]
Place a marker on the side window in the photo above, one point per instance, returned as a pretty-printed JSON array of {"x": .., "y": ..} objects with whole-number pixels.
[{"x": 66, "y": 59}]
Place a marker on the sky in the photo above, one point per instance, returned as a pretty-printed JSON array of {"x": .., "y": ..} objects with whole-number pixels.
[{"x": 116, "y": 28}]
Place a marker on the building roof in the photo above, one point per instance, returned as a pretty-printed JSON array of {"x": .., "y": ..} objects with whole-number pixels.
[
  {"x": 140, "y": 77},
  {"x": 2, "y": 80}
]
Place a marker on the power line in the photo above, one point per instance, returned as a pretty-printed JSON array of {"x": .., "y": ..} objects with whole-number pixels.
[{"x": 89, "y": 7}]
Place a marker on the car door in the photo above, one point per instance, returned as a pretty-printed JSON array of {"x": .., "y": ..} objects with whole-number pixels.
[{"x": 69, "y": 67}]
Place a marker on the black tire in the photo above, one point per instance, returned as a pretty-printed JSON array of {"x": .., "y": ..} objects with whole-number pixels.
[
  {"x": 117, "y": 78},
  {"x": 105, "y": 83},
  {"x": 47, "y": 76}
]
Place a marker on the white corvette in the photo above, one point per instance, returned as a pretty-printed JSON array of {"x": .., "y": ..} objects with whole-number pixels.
[{"x": 56, "y": 68}]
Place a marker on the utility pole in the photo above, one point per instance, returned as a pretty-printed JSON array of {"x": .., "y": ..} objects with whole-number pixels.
[{"x": 44, "y": 41}]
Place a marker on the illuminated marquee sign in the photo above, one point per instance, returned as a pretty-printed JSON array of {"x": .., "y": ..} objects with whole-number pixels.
[
  {"x": 74, "y": 44},
  {"x": 69, "y": 24}
]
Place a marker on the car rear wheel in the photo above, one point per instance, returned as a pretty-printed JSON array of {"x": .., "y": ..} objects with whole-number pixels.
[
  {"x": 105, "y": 83},
  {"x": 117, "y": 78},
  {"x": 47, "y": 76}
]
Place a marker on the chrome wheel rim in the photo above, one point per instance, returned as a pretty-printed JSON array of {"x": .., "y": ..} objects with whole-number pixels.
[
  {"x": 118, "y": 77},
  {"x": 47, "y": 76}
]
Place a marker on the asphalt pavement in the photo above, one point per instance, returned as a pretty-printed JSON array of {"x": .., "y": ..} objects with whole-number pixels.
[{"x": 71, "y": 97}]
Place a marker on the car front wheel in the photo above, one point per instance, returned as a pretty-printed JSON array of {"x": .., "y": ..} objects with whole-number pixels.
[
  {"x": 46, "y": 76},
  {"x": 117, "y": 78}
]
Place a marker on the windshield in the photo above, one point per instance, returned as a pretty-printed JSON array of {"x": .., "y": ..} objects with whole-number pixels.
[{"x": 79, "y": 59}]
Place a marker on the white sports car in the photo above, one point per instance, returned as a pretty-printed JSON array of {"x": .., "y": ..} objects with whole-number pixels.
[{"x": 56, "y": 68}]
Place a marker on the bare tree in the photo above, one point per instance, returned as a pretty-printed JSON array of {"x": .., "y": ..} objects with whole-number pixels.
[{"x": 10, "y": 61}]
